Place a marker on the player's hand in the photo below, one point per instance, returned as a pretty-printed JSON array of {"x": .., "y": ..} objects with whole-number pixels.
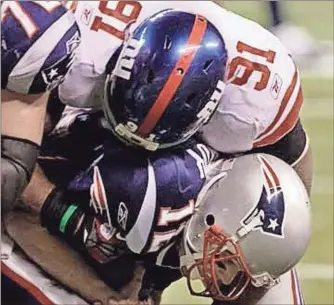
[
  {"x": 148, "y": 292},
  {"x": 37, "y": 190}
]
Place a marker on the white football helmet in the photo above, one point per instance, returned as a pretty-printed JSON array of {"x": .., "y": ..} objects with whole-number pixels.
[{"x": 252, "y": 224}]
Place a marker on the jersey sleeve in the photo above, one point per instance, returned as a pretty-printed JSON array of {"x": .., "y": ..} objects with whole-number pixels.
[
  {"x": 291, "y": 148},
  {"x": 38, "y": 43},
  {"x": 263, "y": 95},
  {"x": 239, "y": 124},
  {"x": 147, "y": 199}
]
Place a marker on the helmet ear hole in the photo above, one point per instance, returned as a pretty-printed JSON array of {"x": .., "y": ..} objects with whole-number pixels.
[{"x": 210, "y": 220}]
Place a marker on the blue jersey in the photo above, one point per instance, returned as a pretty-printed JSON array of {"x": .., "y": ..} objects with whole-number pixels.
[
  {"x": 38, "y": 40},
  {"x": 145, "y": 199},
  {"x": 148, "y": 199}
]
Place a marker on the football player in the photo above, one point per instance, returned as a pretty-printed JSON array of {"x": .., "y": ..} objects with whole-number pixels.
[
  {"x": 38, "y": 40},
  {"x": 172, "y": 69},
  {"x": 235, "y": 216},
  {"x": 259, "y": 70}
]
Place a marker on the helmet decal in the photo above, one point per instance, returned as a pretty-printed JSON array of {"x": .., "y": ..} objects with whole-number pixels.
[
  {"x": 268, "y": 214},
  {"x": 205, "y": 114},
  {"x": 125, "y": 64}
]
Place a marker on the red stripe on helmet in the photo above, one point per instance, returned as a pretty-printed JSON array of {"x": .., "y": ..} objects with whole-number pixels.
[
  {"x": 175, "y": 78},
  {"x": 268, "y": 179},
  {"x": 271, "y": 171}
]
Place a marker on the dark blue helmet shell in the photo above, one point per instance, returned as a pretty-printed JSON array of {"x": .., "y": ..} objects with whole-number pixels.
[{"x": 143, "y": 87}]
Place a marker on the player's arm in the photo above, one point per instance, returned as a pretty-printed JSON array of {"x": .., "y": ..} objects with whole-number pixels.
[
  {"x": 65, "y": 214},
  {"x": 304, "y": 168},
  {"x": 22, "y": 121},
  {"x": 65, "y": 141},
  {"x": 122, "y": 183},
  {"x": 37, "y": 51},
  {"x": 129, "y": 191},
  {"x": 277, "y": 132},
  {"x": 294, "y": 148}
]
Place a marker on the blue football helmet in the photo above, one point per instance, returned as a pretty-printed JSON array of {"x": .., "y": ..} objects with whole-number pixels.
[{"x": 166, "y": 80}]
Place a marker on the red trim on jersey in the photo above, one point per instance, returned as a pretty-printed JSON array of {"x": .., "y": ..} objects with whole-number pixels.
[
  {"x": 26, "y": 285},
  {"x": 44, "y": 5},
  {"x": 286, "y": 126},
  {"x": 101, "y": 195},
  {"x": 299, "y": 293},
  {"x": 175, "y": 78},
  {"x": 9, "y": 11},
  {"x": 4, "y": 14},
  {"x": 70, "y": 5},
  {"x": 294, "y": 289},
  {"x": 283, "y": 105}
]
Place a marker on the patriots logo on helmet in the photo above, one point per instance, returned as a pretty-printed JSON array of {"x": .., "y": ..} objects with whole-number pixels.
[{"x": 268, "y": 214}]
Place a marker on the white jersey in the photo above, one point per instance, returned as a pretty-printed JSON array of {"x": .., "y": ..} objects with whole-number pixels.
[{"x": 263, "y": 95}]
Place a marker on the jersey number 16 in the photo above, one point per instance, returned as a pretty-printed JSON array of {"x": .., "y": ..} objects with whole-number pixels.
[
  {"x": 250, "y": 66},
  {"x": 125, "y": 11},
  {"x": 121, "y": 16}
]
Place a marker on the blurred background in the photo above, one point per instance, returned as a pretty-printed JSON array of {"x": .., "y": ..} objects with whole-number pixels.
[{"x": 312, "y": 21}]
